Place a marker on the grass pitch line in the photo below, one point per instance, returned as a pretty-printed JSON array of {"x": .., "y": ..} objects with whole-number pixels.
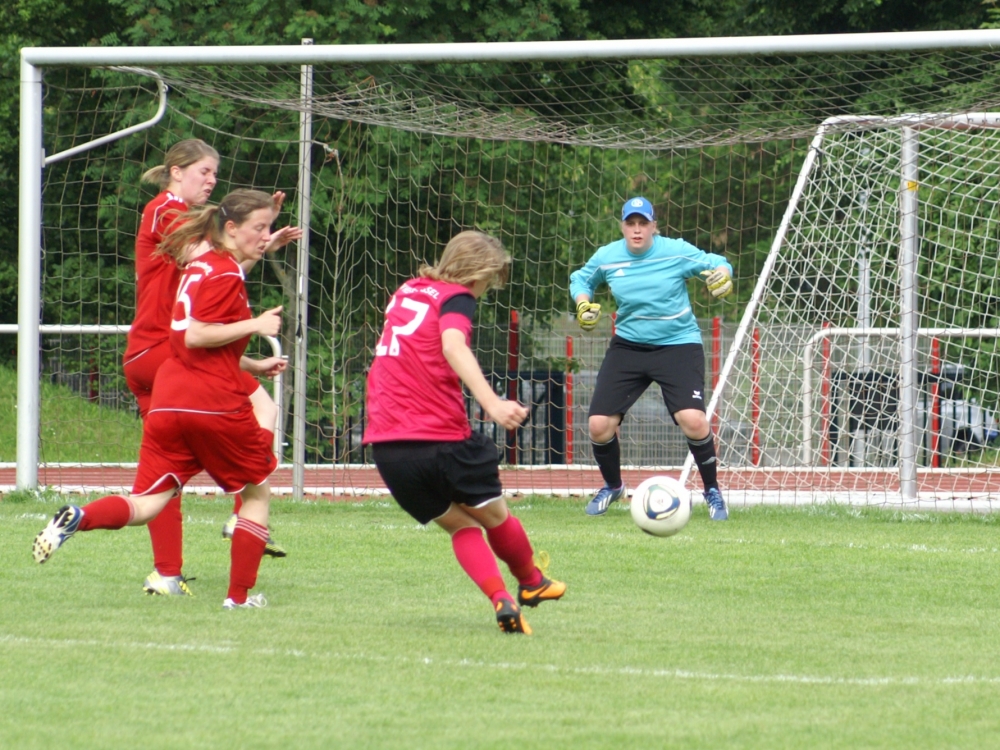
[{"x": 675, "y": 674}]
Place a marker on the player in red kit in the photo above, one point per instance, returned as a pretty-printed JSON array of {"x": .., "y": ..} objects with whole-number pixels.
[
  {"x": 435, "y": 466},
  {"x": 200, "y": 416},
  {"x": 186, "y": 178}
]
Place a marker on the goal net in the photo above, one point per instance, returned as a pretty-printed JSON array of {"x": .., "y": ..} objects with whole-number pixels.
[{"x": 543, "y": 154}]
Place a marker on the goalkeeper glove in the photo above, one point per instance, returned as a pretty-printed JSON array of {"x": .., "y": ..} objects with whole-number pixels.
[
  {"x": 719, "y": 282},
  {"x": 587, "y": 314}
]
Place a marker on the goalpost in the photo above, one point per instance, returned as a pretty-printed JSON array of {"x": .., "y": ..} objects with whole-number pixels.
[{"x": 857, "y": 366}]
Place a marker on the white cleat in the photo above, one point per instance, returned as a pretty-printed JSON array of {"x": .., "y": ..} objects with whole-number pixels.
[
  {"x": 62, "y": 526},
  {"x": 257, "y": 601}
]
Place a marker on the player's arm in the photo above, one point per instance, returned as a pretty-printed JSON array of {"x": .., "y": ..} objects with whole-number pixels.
[
  {"x": 267, "y": 367},
  {"x": 582, "y": 284},
  {"x": 283, "y": 236},
  {"x": 201, "y": 335},
  {"x": 507, "y": 414}
]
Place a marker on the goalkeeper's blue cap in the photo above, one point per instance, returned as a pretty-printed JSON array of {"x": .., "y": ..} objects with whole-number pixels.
[{"x": 639, "y": 206}]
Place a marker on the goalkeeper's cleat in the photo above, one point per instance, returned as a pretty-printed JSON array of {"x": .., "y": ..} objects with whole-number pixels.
[
  {"x": 717, "y": 508},
  {"x": 157, "y": 585},
  {"x": 257, "y": 601},
  {"x": 62, "y": 526},
  {"x": 271, "y": 548},
  {"x": 510, "y": 619},
  {"x": 546, "y": 591},
  {"x": 599, "y": 503}
]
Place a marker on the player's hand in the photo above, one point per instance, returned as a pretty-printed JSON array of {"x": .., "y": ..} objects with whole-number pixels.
[
  {"x": 719, "y": 282},
  {"x": 267, "y": 367},
  {"x": 587, "y": 314},
  {"x": 269, "y": 322},
  {"x": 278, "y": 198},
  {"x": 282, "y": 237},
  {"x": 508, "y": 414}
]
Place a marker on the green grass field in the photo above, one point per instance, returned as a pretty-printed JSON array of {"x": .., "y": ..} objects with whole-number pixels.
[{"x": 783, "y": 628}]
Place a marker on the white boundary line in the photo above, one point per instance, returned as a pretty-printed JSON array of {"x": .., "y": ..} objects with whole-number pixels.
[{"x": 664, "y": 673}]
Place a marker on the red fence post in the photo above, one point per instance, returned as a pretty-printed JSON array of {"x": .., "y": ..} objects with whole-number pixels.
[{"x": 569, "y": 400}]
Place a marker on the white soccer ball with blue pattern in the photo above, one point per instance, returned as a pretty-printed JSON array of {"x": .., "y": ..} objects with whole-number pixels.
[{"x": 661, "y": 506}]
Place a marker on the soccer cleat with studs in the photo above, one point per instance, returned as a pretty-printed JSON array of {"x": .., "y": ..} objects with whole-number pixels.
[
  {"x": 717, "y": 508},
  {"x": 599, "y": 503},
  {"x": 546, "y": 591},
  {"x": 62, "y": 526},
  {"x": 157, "y": 585},
  {"x": 510, "y": 619},
  {"x": 257, "y": 601},
  {"x": 271, "y": 547}
]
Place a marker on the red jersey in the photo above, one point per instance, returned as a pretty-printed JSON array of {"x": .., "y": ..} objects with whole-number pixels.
[
  {"x": 208, "y": 380},
  {"x": 155, "y": 276},
  {"x": 413, "y": 394}
]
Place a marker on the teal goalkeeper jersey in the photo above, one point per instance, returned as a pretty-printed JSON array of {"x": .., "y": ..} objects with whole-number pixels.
[{"x": 649, "y": 289}]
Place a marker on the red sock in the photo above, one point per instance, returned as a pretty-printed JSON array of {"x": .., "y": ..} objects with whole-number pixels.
[
  {"x": 166, "y": 532},
  {"x": 111, "y": 512},
  {"x": 510, "y": 543},
  {"x": 237, "y": 502},
  {"x": 478, "y": 562},
  {"x": 249, "y": 539}
]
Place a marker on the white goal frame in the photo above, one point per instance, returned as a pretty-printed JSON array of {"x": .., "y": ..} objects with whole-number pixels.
[{"x": 32, "y": 158}]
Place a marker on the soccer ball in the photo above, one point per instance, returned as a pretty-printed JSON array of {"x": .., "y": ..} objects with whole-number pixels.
[{"x": 661, "y": 506}]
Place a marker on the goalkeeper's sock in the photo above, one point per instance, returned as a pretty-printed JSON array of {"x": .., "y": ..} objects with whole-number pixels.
[
  {"x": 477, "y": 560},
  {"x": 166, "y": 533},
  {"x": 704, "y": 456},
  {"x": 111, "y": 512},
  {"x": 609, "y": 459}
]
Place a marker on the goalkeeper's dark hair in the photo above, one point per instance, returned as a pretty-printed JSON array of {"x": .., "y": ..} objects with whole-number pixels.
[
  {"x": 207, "y": 222},
  {"x": 469, "y": 257},
  {"x": 182, "y": 154}
]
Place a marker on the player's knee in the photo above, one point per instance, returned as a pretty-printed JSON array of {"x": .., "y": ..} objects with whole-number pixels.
[{"x": 601, "y": 428}]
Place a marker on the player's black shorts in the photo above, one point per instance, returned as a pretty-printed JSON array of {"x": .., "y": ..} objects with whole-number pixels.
[
  {"x": 426, "y": 478},
  {"x": 629, "y": 369}
]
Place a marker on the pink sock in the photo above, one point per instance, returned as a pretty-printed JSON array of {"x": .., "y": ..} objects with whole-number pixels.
[
  {"x": 478, "y": 562},
  {"x": 510, "y": 543},
  {"x": 249, "y": 540},
  {"x": 111, "y": 512}
]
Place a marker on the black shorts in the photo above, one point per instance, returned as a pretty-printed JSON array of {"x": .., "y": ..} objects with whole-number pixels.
[
  {"x": 629, "y": 369},
  {"x": 426, "y": 478}
]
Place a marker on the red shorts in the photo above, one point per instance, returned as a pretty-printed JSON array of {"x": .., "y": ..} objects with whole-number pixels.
[
  {"x": 176, "y": 445},
  {"x": 140, "y": 372}
]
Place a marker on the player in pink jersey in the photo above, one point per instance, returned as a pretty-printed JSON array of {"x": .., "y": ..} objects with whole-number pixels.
[
  {"x": 435, "y": 466},
  {"x": 186, "y": 178},
  {"x": 200, "y": 416}
]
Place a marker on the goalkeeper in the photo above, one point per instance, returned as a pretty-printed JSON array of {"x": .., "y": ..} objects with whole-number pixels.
[{"x": 657, "y": 340}]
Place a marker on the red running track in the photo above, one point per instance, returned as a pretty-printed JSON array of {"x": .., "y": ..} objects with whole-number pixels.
[{"x": 352, "y": 481}]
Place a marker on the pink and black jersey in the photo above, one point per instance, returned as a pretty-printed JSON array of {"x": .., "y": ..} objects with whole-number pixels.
[
  {"x": 155, "y": 275},
  {"x": 209, "y": 380},
  {"x": 413, "y": 394}
]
